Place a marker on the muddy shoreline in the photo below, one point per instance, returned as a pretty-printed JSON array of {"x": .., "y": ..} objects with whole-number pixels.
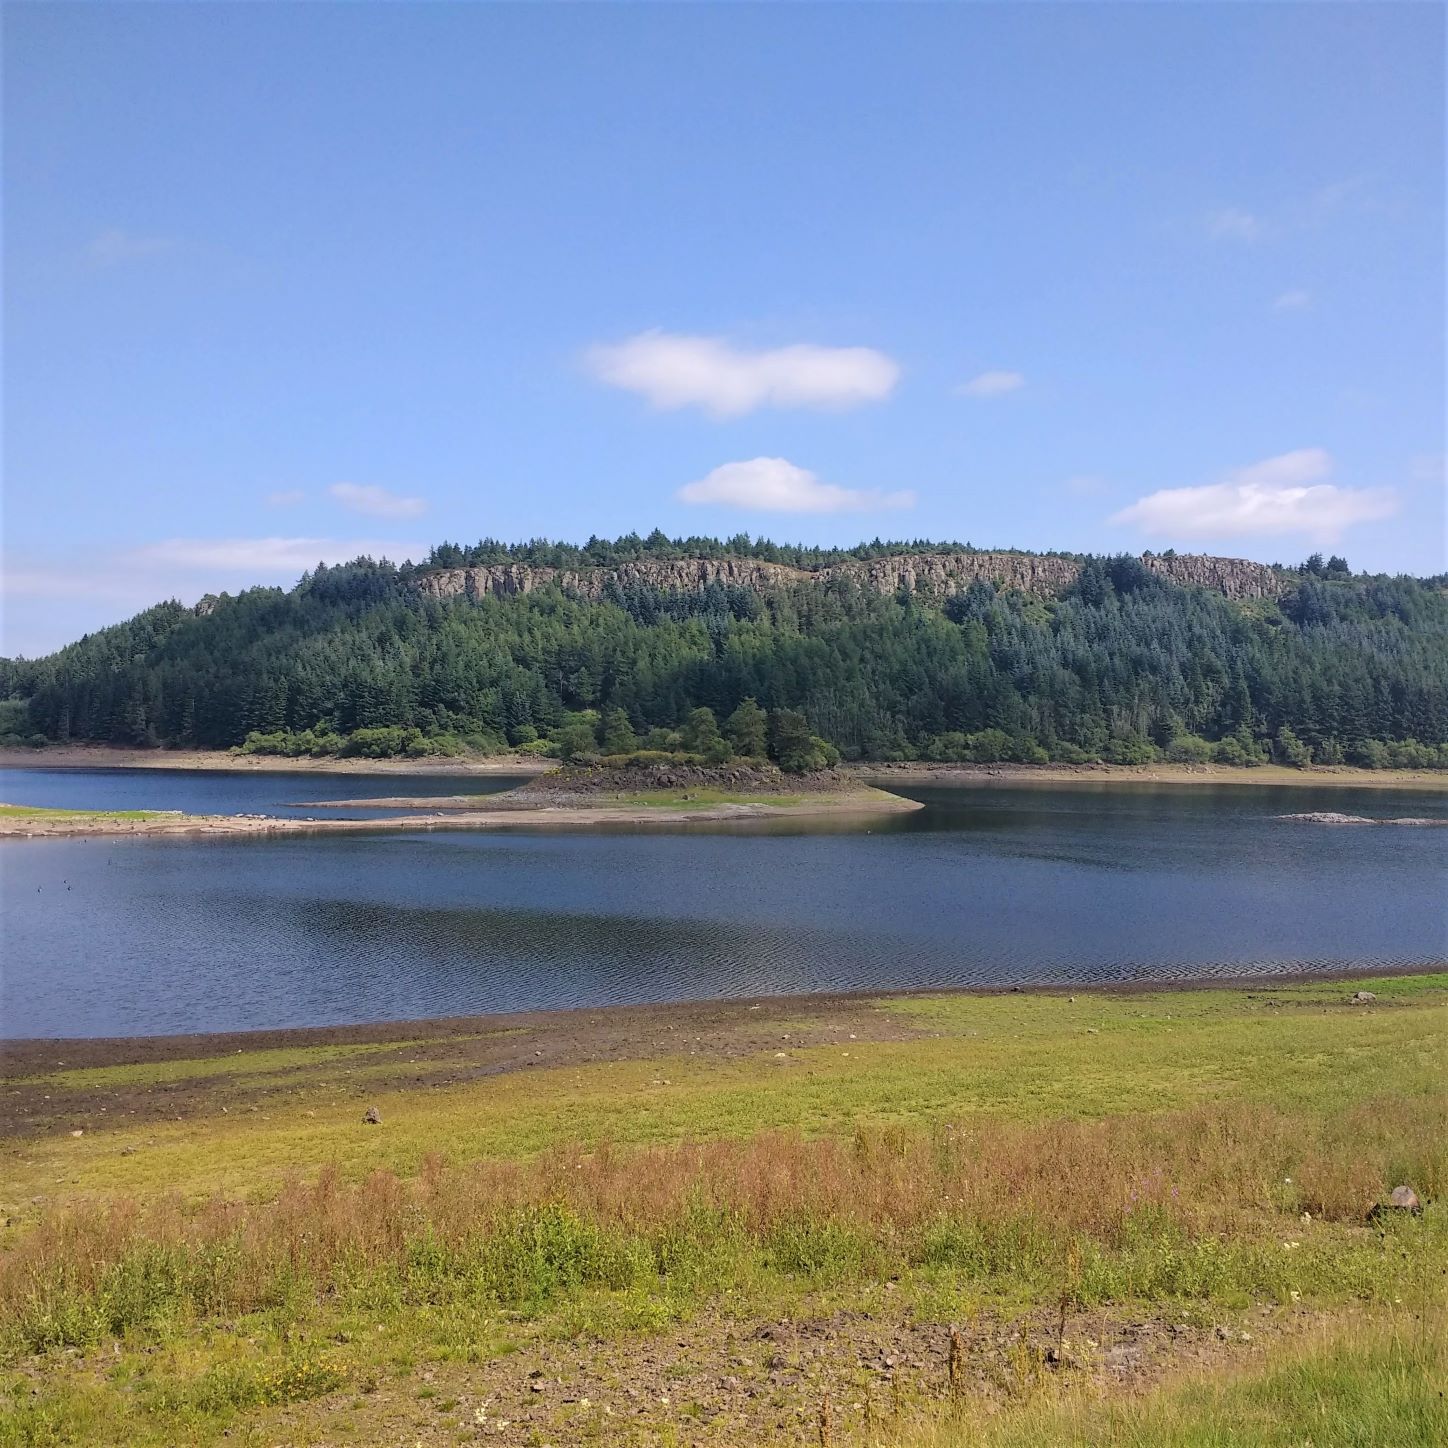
[
  {"x": 613, "y": 1032},
  {"x": 1318, "y": 776}
]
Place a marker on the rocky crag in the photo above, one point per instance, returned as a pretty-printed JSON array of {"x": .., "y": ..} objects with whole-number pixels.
[{"x": 931, "y": 574}]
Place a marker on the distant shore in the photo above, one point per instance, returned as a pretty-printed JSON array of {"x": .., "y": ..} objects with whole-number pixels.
[
  {"x": 101, "y": 756},
  {"x": 1334, "y": 776},
  {"x": 1340, "y": 776},
  {"x": 452, "y": 814}
]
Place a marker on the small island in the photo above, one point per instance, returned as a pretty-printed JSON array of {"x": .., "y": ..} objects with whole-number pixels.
[{"x": 628, "y": 790}]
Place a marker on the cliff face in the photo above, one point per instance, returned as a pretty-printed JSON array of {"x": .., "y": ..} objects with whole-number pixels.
[
  {"x": 931, "y": 574},
  {"x": 684, "y": 575}
]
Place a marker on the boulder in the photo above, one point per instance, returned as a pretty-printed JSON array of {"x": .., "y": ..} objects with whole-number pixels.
[
  {"x": 1362, "y": 998},
  {"x": 1401, "y": 1199},
  {"x": 372, "y": 1116}
]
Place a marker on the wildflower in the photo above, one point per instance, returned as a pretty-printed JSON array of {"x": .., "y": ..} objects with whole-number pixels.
[
  {"x": 1291, "y": 1246},
  {"x": 1295, "y": 1296}
]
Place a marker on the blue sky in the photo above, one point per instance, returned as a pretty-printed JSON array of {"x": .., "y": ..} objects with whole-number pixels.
[{"x": 289, "y": 281}]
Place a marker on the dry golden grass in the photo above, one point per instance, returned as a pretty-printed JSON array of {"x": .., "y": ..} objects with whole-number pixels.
[{"x": 1120, "y": 1207}]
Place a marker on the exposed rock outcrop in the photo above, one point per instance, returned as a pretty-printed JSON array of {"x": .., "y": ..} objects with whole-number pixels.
[{"x": 933, "y": 574}]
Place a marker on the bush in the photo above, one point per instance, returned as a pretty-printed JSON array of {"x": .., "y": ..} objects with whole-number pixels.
[
  {"x": 1189, "y": 749},
  {"x": 387, "y": 743},
  {"x": 1130, "y": 749},
  {"x": 1239, "y": 748},
  {"x": 1290, "y": 750}
]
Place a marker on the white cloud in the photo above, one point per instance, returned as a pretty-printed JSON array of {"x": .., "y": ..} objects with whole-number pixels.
[
  {"x": 376, "y": 502},
  {"x": 992, "y": 384},
  {"x": 775, "y": 485},
  {"x": 1293, "y": 301},
  {"x": 1231, "y": 223},
  {"x": 285, "y": 498},
  {"x": 114, "y": 246},
  {"x": 674, "y": 371},
  {"x": 1282, "y": 494}
]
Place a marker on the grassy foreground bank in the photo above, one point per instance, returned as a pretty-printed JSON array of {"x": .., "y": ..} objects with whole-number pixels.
[{"x": 1140, "y": 1218}]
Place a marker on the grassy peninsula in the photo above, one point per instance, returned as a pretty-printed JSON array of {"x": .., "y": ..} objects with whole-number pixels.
[
  {"x": 629, "y": 790},
  {"x": 1128, "y": 1217}
]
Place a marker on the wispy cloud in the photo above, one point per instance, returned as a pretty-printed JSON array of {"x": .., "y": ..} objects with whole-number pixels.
[
  {"x": 992, "y": 384},
  {"x": 674, "y": 371},
  {"x": 114, "y": 247},
  {"x": 376, "y": 502},
  {"x": 186, "y": 568},
  {"x": 264, "y": 558},
  {"x": 775, "y": 485},
  {"x": 285, "y": 498},
  {"x": 1296, "y": 300},
  {"x": 1284, "y": 494},
  {"x": 1232, "y": 223}
]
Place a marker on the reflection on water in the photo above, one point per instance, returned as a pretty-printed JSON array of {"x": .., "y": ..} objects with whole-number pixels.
[
  {"x": 218, "y": 791},
  {"x": 983, "y": 886}
]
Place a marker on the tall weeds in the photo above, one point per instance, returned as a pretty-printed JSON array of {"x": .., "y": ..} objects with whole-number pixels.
[{"x": 1183, "y": 1204}]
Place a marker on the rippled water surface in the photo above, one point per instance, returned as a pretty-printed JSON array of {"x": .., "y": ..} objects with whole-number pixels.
[{"x": 1059, "y": 884}]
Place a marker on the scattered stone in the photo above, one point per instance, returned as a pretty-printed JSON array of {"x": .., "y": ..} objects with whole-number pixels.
[
  {"x": 1400, "y": 1200},
  {"x": 79, "y": 1131},
  {"x": 1362, "y": 998},
  {"x": 372, "y": 1116}
]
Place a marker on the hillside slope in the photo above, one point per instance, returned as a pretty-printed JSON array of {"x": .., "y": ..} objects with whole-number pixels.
[{"x": 890, "y": 651}]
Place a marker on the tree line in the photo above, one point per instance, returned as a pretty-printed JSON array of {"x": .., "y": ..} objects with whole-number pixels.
[{"x": 1126, "y": 667}]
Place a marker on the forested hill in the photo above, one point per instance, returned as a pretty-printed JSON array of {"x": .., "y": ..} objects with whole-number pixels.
[{"x": 890, "y": 651}]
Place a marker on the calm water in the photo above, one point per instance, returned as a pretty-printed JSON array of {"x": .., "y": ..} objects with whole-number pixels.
[
  {"x": 984, "y": 886},
  {"x": 209, "y": 791}
]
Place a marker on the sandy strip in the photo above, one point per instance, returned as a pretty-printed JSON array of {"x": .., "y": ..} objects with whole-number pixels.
[
  {"x": 24, "y": 827},
  {"x": 1318, "y": 777}
]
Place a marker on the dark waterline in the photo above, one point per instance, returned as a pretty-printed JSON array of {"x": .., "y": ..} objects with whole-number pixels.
[{"x": 985, "y": 886}]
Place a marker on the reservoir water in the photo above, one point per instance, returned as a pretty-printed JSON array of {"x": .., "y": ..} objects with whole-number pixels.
[{"x": 1059, "y": 884}]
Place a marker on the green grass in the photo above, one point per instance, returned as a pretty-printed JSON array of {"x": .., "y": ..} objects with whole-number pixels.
[
  {"x": 1133, "y": 1153},
  {"x": 1378, "y": 1382},
  {"x": 703, "y": 798},
  {"x": 24, "y": 811},
  {"x": 1020, "y": 1057}
]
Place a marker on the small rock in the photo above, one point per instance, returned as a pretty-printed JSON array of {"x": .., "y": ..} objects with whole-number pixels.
[
  {"x": 372, "y": 1116},
  {"x": 79, "y": 1131},
  {"x": 1362, "y": 998},
  {"x": 1405, "y": 1198}
]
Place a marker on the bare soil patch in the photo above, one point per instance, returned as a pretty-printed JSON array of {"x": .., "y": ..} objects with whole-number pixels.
[
  {"x": 714, "y": 1380},
  {"x": 443, "y": 1052}
]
